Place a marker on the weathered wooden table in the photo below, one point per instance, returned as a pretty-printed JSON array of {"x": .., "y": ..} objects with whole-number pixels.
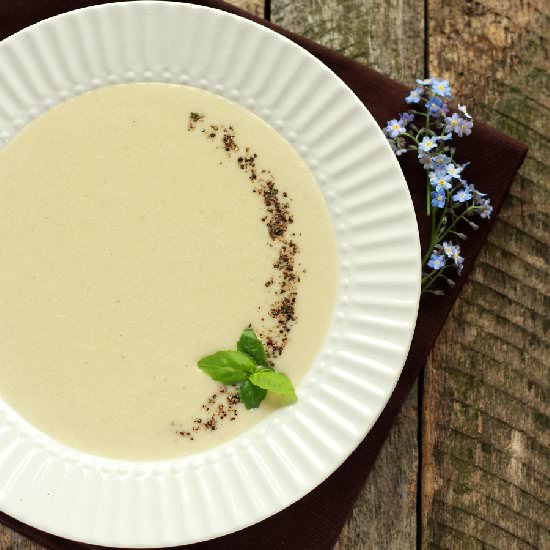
[{"x": 467, "y": 464}]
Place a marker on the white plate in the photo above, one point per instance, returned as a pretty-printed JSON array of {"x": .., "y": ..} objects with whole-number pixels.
[{"x": 155, "y": 504}]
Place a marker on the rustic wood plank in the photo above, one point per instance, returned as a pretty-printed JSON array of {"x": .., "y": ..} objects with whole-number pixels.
[
  {"x": 387, "y": 35},
  {"x": 255, "y": 7},
  {"x": 10, "y": 540},
  {"x": 486, "y": 459}
]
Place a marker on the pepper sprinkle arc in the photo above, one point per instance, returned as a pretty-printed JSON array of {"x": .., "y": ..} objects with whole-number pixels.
[
  {"x": 218, "y": 407},
  {"x": 277, "y": 218},
  {"x": 282, "y": 311}
]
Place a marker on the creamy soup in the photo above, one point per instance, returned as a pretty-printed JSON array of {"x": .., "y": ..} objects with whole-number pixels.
[{"x": 142, "y": 227}]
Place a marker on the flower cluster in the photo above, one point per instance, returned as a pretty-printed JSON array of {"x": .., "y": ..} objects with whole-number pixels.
[{"x": 451, "y": 201}]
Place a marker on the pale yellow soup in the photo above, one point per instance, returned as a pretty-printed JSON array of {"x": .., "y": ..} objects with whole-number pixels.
[{"x": 130, "y": 247}]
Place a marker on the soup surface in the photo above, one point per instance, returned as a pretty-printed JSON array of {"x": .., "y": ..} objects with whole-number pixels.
[{"x": 142, "y": 227}]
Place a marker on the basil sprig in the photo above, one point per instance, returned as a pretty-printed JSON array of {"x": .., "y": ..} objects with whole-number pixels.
[{"x": 247, "y": 367}]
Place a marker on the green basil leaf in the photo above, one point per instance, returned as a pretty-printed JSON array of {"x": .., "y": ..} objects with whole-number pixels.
[
  {"x": 249, "y": 343},
  {"x": 273, "y": 381},
  {"x": 252, "y": 395},
  {"x": 228, "y": 367}
]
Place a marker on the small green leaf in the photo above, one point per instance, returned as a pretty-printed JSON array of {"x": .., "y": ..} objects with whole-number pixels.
[
  {"x": 249, "y": 343},
  {"x": 228, "y": 367},
  {"x": 277, "y": 382},
  {"x": 252, "y": 395}
]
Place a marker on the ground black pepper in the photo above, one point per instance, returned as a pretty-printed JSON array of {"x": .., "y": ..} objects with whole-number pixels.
[
  {"x": 277, "y": 218},
  {"x": 193, "y": 119},
  {"x": 218, "y": 407},
  {"x": 284, "y": 282}
]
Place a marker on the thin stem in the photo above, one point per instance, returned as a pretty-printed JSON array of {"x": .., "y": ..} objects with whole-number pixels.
[
  {"x": 436, "y": 236},
  {"x": 457, "y": 219},
  {"x": 428, "y": 131},
  {"x": 427, "y": 283},
  {"x": 410, "y": 136},
  {"x": 428, "y": 277},
  {"x": 428, "y": 202},
  {"x": 436, "y": 232},
  {"x": 443, "y": 215}
]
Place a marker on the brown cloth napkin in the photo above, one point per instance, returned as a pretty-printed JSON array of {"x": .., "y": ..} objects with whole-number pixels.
[{"x": 315, "y": 521}]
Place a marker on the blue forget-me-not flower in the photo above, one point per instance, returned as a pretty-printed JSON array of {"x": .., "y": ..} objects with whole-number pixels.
[
  {"x": 440, "y": 180},
  {"x": 437, "y": 261},
  {"x": 465, "y": 128},
  {"x": 439, "y": 198},
  {"x": 462, "y": 195},
  {"x": 453, "y": 122},
  {"x": 453, "y": 170},
  {"x": 450, "y": 199},
  {"x": 414, "y": 96},
  {"x": 394, "y": 128},
  {"x": 427, "y": 143},
  {"x": 441, "y": 160},
  {"x": 434, "y": 105},
  {"x": 441, "y": 87},
  {"x": 426, "y": 160}
]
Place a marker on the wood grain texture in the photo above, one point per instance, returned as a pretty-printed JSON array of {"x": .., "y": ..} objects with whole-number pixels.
[
  {"x": 10, "y": 540},
  {"x": 253, "y": 6},
  {"x": 389, "y": 36},
  {"x": 486, "y": 459}
]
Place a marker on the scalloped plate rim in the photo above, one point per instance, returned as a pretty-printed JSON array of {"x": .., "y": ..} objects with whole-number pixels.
[{"x": 199, "y": 460}]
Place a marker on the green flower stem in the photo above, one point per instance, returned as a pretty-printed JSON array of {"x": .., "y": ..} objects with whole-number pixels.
[
  {"x": 433, "y": 236},
  {"x": 427, "y": 289},
  {"x": 409, "y": 136},
  {"x": 428, "y": 202},
  {"x": 428, "y": 277},
  {"x": 429, "y": 281},
  {"x": 435, "y": 231},
  {"x": 437, "y": 236},
  {"x": 458, "y": 218},
  {"x": 427, "y": 131}
]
